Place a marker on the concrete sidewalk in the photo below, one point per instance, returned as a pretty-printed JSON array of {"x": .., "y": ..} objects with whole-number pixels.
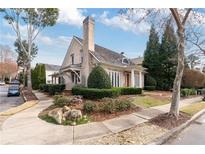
[{"x": 26, "y": 128}]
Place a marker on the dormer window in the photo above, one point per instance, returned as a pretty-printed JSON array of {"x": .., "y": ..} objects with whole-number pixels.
[{"x": 125, "y": 61}]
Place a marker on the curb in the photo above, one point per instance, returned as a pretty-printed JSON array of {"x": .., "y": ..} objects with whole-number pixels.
[
  {"x": 174, "y": 131},
  {"x": 17, "y": 109}
]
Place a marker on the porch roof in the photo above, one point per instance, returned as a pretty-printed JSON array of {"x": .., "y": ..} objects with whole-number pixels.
[{"x": 71, "y": 67}]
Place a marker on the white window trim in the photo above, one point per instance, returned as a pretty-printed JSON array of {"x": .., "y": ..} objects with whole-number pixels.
[{"x": 115, "y": 77}]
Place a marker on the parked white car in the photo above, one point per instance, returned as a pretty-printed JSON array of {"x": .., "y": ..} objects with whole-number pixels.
[{"x": 2, "y": 83}]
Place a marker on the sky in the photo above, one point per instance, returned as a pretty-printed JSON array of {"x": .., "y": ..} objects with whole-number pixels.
[{"x": 110, "y": 32}]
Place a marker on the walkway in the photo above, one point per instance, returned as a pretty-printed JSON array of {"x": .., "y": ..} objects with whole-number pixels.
[{"x": 26, "y": 128}]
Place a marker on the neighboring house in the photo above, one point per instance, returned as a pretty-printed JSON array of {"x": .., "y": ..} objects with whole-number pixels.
[
  {"x": 83, "y": 55},
  {"x": 51, "y": 74}
]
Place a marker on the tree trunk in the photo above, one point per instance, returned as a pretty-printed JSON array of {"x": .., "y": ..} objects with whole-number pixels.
[
  {"x": 29, "y": 85},
  {"x": 174, "y": 109}
]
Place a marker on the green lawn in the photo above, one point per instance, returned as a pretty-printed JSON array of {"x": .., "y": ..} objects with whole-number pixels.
[
  {"x": 193, "y": 108},
  {"x": 149, "y": 101}
]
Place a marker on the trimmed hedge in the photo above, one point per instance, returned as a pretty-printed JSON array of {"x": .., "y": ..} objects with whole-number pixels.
[
  {"x": 150, "y": 88},
  {"x": 129, "y": 90},
  {"x": 92, "y": 93},
  {"x": 187, "y": 92},
  {"x": 52, "y": 89}
]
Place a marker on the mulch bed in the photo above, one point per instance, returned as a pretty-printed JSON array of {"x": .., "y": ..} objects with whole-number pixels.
[
  {"x": 95, "y": 116},
  {"x": 167, "y": 121},
  {"x": 100, "y": 116},
  {"x": 28, "y": 94}
]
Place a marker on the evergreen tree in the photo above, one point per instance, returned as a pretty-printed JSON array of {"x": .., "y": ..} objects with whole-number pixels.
[
  {"x": 151, "y": 54},
  {"x": 167, "y": 58}
]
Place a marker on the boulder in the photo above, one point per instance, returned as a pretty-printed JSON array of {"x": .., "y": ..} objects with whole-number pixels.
[
  {"x": 77, "y": 100},
  {"x": 75, "y": 114},
  {"x": 66, "y": 108},
  {"x": 66, "y": 115},
  {"x": 57, "y": 114}
]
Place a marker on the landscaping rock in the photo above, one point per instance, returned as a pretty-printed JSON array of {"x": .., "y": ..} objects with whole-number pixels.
[
  {"x": 66, "y": 108},
  {"x": 75, "y": 114},
  {"x": 66, "y": 115},
  {"x": 77, "y": 100},
  {"x": 57, "y": 114}
]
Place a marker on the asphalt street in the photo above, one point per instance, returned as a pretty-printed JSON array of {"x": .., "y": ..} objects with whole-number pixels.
[
  {"x": 8, "y": 102},
  {"x": 192, "y": 135}
]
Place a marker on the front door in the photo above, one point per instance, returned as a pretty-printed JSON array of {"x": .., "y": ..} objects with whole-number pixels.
[{"x": 127, "y": 79}]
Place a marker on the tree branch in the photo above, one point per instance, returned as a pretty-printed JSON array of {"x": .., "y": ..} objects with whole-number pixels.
[{"x": 186, "y": 16}]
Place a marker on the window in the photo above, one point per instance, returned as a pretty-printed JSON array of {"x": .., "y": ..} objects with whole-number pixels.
[
  {"x": 114, "y": 78},
  {"x": 125, "y": 61},
  {"x": 74, "y": 77},
  {"x": 72, "y": 59}
]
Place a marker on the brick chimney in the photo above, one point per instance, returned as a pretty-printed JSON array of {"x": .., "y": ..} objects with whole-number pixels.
[{"x": 88, "y": 45}]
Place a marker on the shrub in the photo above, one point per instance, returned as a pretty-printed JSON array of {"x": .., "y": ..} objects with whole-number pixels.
[
  {"x": 108, "y": 107},
  {"x": 52, "y": 89},
  {"x": 203, "y": 91},
  {"x": 150, "y": 81},
  {"x": 114, "y": 105},
  {"x": 89, "y": 107},
  {"x": 150, "y": 88},
  {"x": 60, "y": 100},
  {"x": 99, "y": 78},
  {"x": 129, "y": 90},
  {"x": 123, "y": 105},
  {"x": 92, "y": 93},
  {"x": 187, "y": 92},
  {"x": 44, "y": 87}
]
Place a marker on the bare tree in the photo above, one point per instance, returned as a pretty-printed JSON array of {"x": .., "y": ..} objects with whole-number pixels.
[
  {"x": 8, "y": 65},
  {"x": 34, "y": 21},
  {"x": 180, "y": 18}
]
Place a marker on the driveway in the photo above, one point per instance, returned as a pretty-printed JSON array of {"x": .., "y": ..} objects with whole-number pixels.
[
  {"x": 8, "y": 102},
  {"x": 193, "y": 135}
]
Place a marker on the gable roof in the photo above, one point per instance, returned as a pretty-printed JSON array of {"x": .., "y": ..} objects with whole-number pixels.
[
  {"x": 51, "y": 67},
  {"x": 107, "y": 56},
  {"x": 137, "y": 61}
]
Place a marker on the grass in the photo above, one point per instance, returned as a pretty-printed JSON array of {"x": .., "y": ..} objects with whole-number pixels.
[
  {"x": 49, "y": 119},
  {"x": 149, "y": 101},
  {"x": 193, "y": 108}
]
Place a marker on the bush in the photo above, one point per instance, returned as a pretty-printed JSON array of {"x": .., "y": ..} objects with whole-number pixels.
[
  {"x": 129, "y": 90},
  {"x": 187, "y": 92},
  {"x": 150, "y": 88},
  {"x": 52, "y": 89},
  {"x": 60, "y": 100},
  {"x": 150, "y": 81},
  {"x": 89, "y": 107},
  {"x": 92, "y": 93},
  {"x": 114, "y": 105},
  {"x": 99, "y": 78},
  {"x": 123, "y": 105}
]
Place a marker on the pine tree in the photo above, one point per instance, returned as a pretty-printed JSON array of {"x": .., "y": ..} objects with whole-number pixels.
[
  {"x": 151, "y": 54},
  {"x": 167, "y": 58}
]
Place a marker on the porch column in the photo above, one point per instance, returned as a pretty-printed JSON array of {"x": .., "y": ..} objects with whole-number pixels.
[
  {"x": 132, "y": 78},
  {"x": 140, "y": 79}
]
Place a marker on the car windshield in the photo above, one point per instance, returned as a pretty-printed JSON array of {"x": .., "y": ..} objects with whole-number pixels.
[{"x": 13, "y": 87}]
